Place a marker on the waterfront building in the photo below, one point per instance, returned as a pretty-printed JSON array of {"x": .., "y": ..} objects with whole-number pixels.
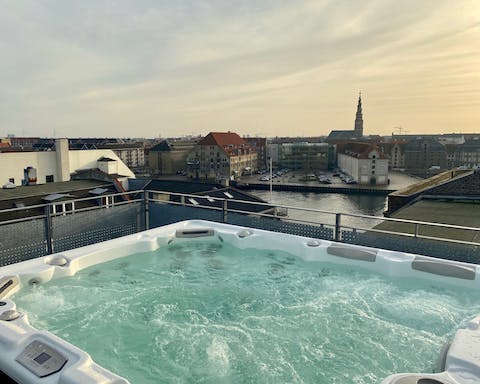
[
  {"x": 272, "y": 153},
  {"x": 468, "y": 154},
  {"x": 395, "y": 151},
  {"x": 170, "y": 156},
  {"x": 259, "y": 145},
  {"x": 425, "y": 157},
  {"x": 364, "y": 162},
  {"x": 451, "y": 151},
  {"x": 221, "y": 155},
  {"x": 306, "y": 157}
]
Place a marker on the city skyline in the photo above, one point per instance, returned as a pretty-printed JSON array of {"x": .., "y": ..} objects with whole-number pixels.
[{"x": 149, "y": 68}]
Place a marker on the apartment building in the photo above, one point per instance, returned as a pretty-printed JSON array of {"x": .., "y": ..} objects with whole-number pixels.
[{"x": 221, "y": 155}]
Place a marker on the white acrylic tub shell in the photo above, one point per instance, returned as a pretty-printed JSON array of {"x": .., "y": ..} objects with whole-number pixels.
[{"x": 462, "y": 361}]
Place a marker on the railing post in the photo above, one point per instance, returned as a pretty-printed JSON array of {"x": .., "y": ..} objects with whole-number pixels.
[
  {"x": 417, "y": 226},
  {"x": 225, "y": 210},
  {"x": 182, "y": 200},
  {"x": 48, "y": 229},
  {"x": 338, "y": 221},
  {"x": 146, "y": 209}
]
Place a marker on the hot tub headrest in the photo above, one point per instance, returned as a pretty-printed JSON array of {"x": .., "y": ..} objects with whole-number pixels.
[
  {"x": 421, "y": 379},
  {"x": 443, "y": 268},
  {"x": 353, "y": 253}
]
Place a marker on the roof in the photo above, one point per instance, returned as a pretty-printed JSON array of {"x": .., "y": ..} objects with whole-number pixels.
[
  {"x": 49, "y": 188},
  {"x": 56, "y": 196},
  {"x": 223, "y": 139},
  {"x": 360, "y": 150},
  {"x": 341, "y": 135},
  {"x": 230, "y": 142},
  {"x": 180, "y": 186},
  {"x": 33, "y": 198},
  {"x": 437, "y": 211},
  {"x": 212, "y": 192},
  {"x": 418, "y": 145},
  {"x": 98, "y": 191},
  {"x": 431, "y": 182},
  {"x": 161, "y": 147}
]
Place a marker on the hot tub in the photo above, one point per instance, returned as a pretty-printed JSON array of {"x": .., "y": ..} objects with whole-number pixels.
[{"x": 201, "y": 301}]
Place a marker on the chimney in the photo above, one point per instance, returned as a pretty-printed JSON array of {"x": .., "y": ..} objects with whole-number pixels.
[{"x": 63, "y": 160}]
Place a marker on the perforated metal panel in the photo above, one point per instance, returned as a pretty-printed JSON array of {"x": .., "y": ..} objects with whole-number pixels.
[
  {"x": 348, "y": 236},
  {"x": 84, "y": 228},
  {"x": 283, "y": 226},
  {"x": 441, "y": 249},
  {"x": 163, "y": 214},
  {"x": 27, "y": 240},
  {"x": 22, "y": 241}
]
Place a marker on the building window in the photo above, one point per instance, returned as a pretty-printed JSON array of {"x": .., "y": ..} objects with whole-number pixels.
[{"x": 49, "y": 178}]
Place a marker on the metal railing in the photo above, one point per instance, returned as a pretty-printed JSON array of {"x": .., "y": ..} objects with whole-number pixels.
[{"x": 33, "y": 231}]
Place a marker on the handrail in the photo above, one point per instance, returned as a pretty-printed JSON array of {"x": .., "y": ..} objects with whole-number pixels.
[
  {"x": 417, "y": 223},
  {"x": 223, "y": 204},
  {"x": 408, "y": 221}
]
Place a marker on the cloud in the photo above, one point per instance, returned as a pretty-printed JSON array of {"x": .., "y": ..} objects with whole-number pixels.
[{"x": 126, "y": 68}]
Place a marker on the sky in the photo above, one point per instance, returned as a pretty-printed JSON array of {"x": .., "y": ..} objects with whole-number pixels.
[{"x": 164, "y": 68}]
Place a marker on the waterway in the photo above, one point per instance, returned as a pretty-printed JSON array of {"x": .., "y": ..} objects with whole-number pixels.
[
  {"x": 361, "y": 204},
  {"x": 349, "y": 204}
]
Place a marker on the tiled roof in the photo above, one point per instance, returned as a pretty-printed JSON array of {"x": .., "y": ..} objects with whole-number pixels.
[
  {"x": 222, "y": 139},
  {"x": 230, "y": 142},
  {"x": 360, "y": 150}
]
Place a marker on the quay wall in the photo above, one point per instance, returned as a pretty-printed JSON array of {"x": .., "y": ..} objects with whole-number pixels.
[{"x": 315, "y": 188}]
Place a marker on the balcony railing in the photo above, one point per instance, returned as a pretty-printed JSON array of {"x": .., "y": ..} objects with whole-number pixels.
[{"x": 35, "y": 231}]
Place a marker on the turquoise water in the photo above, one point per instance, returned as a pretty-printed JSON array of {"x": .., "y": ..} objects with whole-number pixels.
[{"x": 210, "y": 313}]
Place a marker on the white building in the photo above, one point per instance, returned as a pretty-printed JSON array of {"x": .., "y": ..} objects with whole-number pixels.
[
  {"x": 364, "y": 162},
  {"x": 23, "y": 168}
]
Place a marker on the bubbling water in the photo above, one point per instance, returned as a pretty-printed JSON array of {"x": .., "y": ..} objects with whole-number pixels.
[{"x": 202, "y": 312}]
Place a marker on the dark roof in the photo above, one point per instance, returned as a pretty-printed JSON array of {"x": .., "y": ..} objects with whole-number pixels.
[
  {"x": 215, "y": 191},
  {"x": 137, "y": 183},
  {"x": 49, "y": 188},
  {"x": 161, "y": 147},
  {"x": 418, "y": 145},
  {"x": 180, "y": 186},
  {"x": 341, "y": 135},
  {"x": 34, "y": 195}
]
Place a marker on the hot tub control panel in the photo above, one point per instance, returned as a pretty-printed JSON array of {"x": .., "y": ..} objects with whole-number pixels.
[{"x": 41, "y": 359}]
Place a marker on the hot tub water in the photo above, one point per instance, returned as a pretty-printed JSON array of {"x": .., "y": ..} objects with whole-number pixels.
[{"x": 204, "y": 311}]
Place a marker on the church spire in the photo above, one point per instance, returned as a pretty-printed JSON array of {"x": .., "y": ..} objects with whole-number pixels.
[{"x": 358, "y": 130}]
